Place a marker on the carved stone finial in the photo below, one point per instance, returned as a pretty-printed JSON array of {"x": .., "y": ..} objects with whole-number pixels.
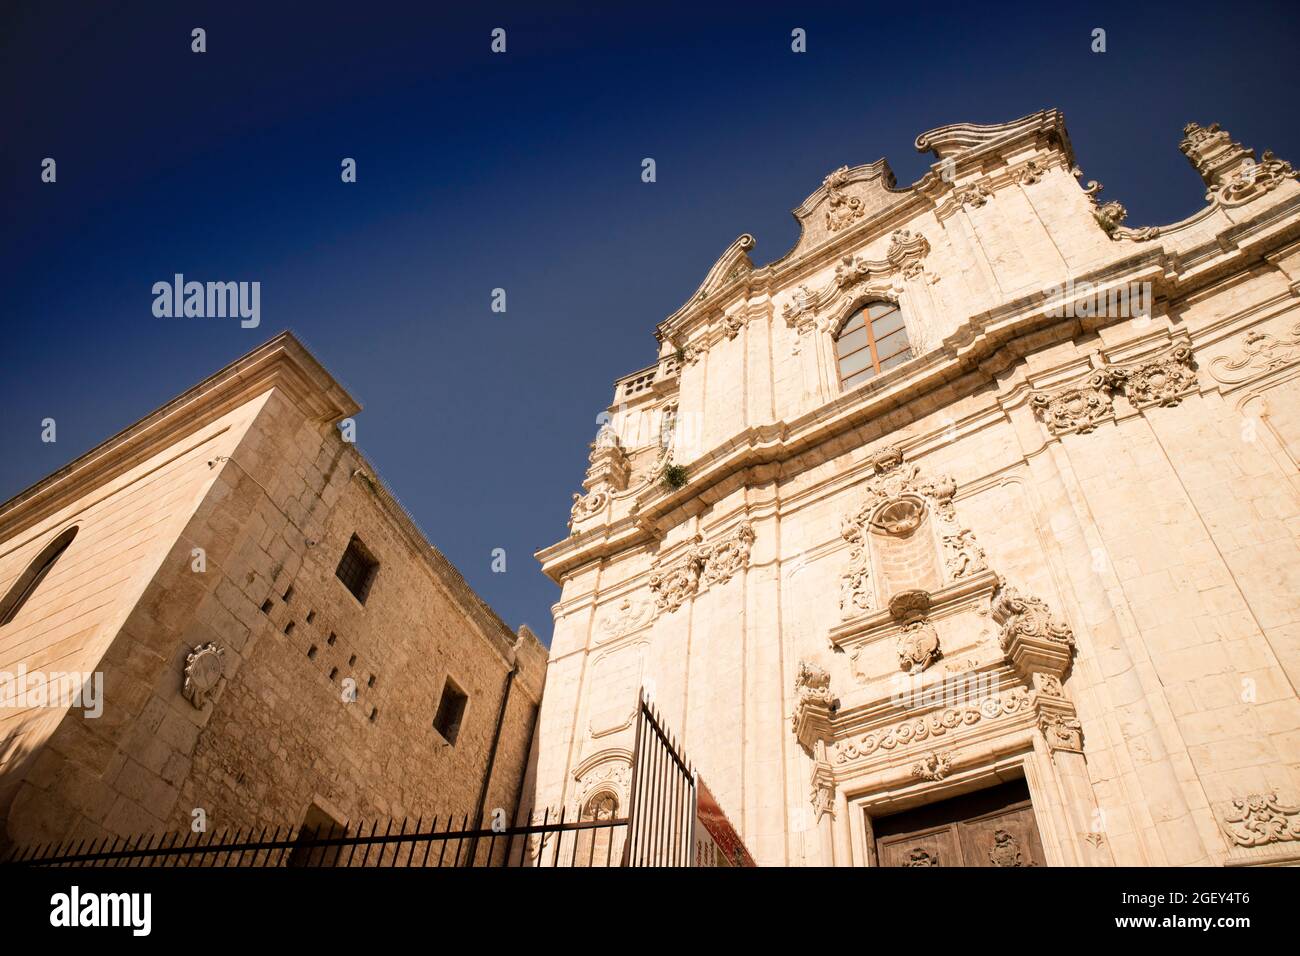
[{"x": 1232, "y": 175}]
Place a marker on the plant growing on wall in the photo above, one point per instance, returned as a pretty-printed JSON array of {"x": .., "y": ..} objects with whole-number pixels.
[{"x": 674, "y": 477}]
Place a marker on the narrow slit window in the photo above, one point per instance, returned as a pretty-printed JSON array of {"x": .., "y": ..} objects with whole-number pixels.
[{"x": 451, "y": 711}]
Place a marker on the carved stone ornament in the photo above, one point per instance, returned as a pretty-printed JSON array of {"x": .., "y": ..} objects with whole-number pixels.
[
  {"x": 626, "y": 617},
  {"x": 918, "y": 644},
  {"x": 608, "y": 470},
  {"x": 976, "y": 195},
  {"x": 933, "y": 766},
  {"x": 1005, "y": 850},
  {"x": 702, "y": 566},
  {"x": 203, "y": 672},
  {"x": 1062, "y": 733},
  {"x": 1030, "y": 173},
  {"x": 823, "y": 786},
  {"x": 841, "y": 209},
  {"x": 814, "y": 706},
  {"x": 1231, "y": 174},
  {"x": 1033, "y": 639},
  {"x": 1111, "y": 216},
  {"x": 1073, "y": 409},
  {"x": 1260, "y": 353},
  {"x": 1260, "y": 819},
  {"x": 896, "y": 499},
  {"x": 936, "y": 724},
  {"x": 907, "y": 252},
  {"x": 1163, "y": 381}
]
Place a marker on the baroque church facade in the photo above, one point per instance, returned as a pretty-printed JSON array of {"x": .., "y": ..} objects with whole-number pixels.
[{"x": 967, "y": 532}]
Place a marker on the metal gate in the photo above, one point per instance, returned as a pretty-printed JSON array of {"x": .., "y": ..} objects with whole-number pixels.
[{"x": 665, "y": 793}]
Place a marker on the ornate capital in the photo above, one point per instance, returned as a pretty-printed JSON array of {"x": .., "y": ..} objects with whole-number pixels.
[{"x": 1062, "y": 732}]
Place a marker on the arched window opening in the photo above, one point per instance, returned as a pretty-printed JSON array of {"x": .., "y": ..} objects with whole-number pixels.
[
  {"x": 36, "y": 572},
  {"x": 873, "y": 340}
]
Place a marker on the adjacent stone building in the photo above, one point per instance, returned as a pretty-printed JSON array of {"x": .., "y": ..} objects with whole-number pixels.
[
  {"x": 277, "y": 642},
  {"x": 968, "y": 531}
]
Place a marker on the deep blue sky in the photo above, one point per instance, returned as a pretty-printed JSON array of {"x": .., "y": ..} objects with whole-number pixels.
[{"x": 520, "y": 171}]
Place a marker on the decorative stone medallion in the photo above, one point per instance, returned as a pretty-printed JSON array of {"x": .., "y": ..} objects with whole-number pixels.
[{"x": 203, "y": 672}]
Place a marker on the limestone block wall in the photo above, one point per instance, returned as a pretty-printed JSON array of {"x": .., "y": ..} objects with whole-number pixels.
[
  {"x": 53, "y": 761},
  {"x": 1132, "y": 471},
  {"x": 281, "y": 730}
]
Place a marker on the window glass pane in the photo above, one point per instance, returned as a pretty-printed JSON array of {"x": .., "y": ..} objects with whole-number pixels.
[
  {"x": 893, "y": 360},
  {"x": 856, "y": 321},
  {"x": 855, "y": 363},
  {"x": 861, "y": 377},
  {"x": 886, "y": 324},
  {"x": 877, "y": 309},
  {"x": 851, "y": 342},
  {"x": 890, "y": 344}
]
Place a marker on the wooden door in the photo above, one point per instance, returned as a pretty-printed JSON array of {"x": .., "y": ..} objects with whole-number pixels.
[{"x": 993, "y": 827}]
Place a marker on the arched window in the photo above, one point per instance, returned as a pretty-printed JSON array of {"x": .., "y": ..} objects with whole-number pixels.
[
  {"x": 873, "y": 340},
  {"x": 31, "y": 579}
]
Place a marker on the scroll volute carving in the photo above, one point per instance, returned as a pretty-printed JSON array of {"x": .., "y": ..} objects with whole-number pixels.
[
  {"x": 814, "y": 707},
  {"x": 1033, "y": 638}
]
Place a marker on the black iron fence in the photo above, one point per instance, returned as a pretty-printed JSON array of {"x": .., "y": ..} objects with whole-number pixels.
[
  {"x": 551, "y": 841},
  {"x": 659, "y": 830}
]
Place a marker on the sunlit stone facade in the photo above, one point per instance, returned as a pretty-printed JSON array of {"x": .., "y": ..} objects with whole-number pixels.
[{"x": 1034, "y": 579}]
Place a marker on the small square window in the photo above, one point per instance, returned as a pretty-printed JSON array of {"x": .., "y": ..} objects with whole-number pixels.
[
  {"x": 357, "y": 569},
  {"x": 311, "y": 616},
  {"x": 288, "y": 628},
  {"x": 371, "y": 682},
  {"x": 332, "y": 638},
  {"x": 352, "y": 660},
  {"x": 311, "y": 652},
  {"x": 451, "y": 710},
  {"x": 267, "y": 605},
  {"x": 288, "y": 595}
]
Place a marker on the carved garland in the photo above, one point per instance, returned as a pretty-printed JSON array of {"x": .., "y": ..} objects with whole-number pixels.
[
  {"x": 1080, "y": 408},
  {"x": 703, "y": 566},
  {"x": 932, "y": 725}
]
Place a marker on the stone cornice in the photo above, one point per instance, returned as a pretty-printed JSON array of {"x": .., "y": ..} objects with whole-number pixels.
[
  {"x": 283, "y": 363},
  {"x": 989, "y": 343}
]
